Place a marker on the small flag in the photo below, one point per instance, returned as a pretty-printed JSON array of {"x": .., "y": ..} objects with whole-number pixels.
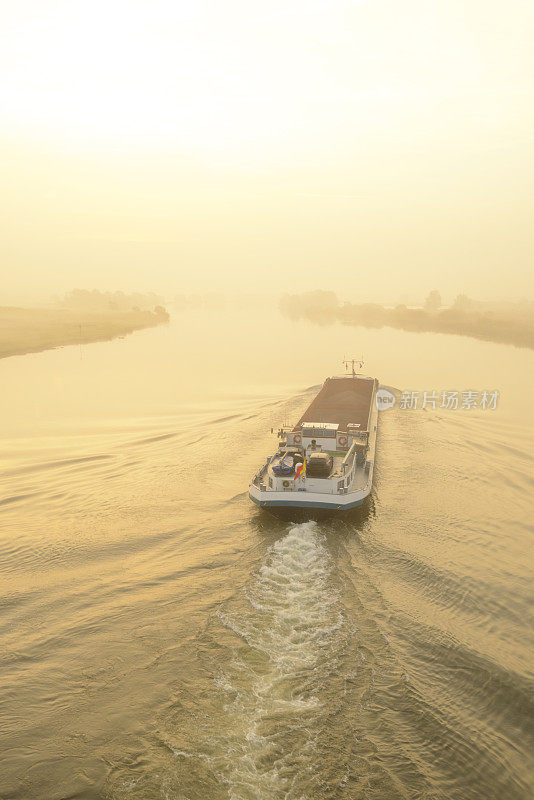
[{"x": 300, "y": 472}]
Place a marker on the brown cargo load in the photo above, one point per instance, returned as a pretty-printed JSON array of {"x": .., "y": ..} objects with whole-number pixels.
[{"x": 341, "y": 401}]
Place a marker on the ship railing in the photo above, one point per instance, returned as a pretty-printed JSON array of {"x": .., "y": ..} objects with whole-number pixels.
[
  {"x": 257, "y": 479},
  {"x": 349, "y": 459}
]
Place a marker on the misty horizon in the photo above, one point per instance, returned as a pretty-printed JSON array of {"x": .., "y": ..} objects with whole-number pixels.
[{"x": 374, "y": 157}]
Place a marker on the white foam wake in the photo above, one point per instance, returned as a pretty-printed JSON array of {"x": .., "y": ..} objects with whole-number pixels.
[{"x": 272, "y": 687}]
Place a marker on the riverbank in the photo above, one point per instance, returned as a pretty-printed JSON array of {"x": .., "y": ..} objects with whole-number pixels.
[
  {"x": 511, "y": 323},
  {"x": 30, "y": 330}
]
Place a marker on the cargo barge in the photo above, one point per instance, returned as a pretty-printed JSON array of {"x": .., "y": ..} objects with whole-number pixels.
[{"x": 327, "y": 459}]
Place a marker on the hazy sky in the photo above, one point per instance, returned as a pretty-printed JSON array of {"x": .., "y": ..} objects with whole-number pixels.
[{"x": 377, "y": 148}]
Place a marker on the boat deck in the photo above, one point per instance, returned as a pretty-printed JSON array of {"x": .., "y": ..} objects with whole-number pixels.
[
  {"x": 336, "y": 472},
  {"x": 341, "y": 401}
]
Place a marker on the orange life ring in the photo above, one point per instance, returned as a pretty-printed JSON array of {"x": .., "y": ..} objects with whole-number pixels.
[
  {"x": 297, "y": 438},
  {"x": 342, "y": 441}
]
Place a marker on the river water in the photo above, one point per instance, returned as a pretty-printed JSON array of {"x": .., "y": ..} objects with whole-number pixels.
[{"x": 161, "y": 637}]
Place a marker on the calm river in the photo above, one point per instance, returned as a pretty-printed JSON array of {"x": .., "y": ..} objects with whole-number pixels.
[{"x": 161, "y": 637}]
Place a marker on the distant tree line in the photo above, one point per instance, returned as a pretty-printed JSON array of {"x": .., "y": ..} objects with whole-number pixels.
[
  {"x": 94, "y": 300},
  {"x": 504, "y": 322}
]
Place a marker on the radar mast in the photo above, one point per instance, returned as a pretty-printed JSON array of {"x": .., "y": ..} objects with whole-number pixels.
[{"x": 351, "y": 363}]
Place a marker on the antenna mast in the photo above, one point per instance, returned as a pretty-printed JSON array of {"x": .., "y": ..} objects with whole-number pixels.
[{"x": 351, "y": 362}]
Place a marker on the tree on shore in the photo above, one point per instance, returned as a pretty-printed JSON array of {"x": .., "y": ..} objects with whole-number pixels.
[{"x": 433, "y": 301}]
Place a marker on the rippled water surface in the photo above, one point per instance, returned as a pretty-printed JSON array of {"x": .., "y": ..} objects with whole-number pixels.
[{"x": 161, "y": 637}]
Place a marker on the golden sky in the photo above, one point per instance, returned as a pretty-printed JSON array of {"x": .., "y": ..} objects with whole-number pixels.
[{"x": 376, "y": 148}]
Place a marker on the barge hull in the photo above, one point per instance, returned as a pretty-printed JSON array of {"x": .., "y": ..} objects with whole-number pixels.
[{"x": 348, "y": 405}]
